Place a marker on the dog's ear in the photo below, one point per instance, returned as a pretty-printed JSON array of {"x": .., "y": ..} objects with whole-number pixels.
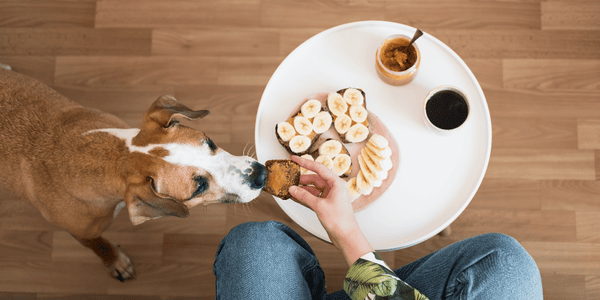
[
  {"x": 166, "y": 110},
  {"x": 143, "y": 204}
]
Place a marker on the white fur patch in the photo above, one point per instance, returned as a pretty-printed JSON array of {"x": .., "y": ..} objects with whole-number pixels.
[
  {"x": 126, "y": 135},
  {"x": 226, "y": 169}
]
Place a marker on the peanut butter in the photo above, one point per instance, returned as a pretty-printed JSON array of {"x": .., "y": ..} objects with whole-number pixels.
[{"x": 395, "y": 56}]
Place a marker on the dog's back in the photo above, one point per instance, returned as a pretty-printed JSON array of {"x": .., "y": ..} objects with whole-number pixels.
[{"x": 36, "y": 121}]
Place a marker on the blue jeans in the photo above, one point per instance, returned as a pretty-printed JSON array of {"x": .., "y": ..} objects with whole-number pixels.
[{"x": 268, "y": 260}]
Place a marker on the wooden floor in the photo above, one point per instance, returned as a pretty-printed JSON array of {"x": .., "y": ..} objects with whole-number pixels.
[{"x": 538, "y": 63}]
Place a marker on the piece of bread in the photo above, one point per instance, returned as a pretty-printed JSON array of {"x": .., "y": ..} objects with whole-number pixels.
[{"x": 281, "y": 175}]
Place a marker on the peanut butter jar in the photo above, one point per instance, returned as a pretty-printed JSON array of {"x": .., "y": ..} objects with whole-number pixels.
[{"x": 395, "y": 64}]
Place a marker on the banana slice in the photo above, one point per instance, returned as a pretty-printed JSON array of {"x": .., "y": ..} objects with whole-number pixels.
[
  {"x": 373, "y": 177},
  {"x": 330, "y": 148},
  {"x": 357, "y": 133},
  {"x": 375, "y": 154},
  {"x": 336, "y": 104},
  {"x": 386, "y": 164},
  {"x": 299, "y": 144},
  {"x": 304, "y": 171},
  {"x": 341, "y": 164},
  {"x": 326, "y": 160},
  {"x": 310, "y": 108},
  {"x": 285, "y": 131},
  {"x": 363, "y": 184},
  {"x": 302, "y": 125},
  {"x": 373, "y": 165},
  {"x": 354, "y": 191},
  {"x": 322, "y": 121},
  {"x": 353, "y": 97},
  {"x": 358, "y": 113},
  {"x": 378, "y": 141},
  {"x": 342, "y": 123}
]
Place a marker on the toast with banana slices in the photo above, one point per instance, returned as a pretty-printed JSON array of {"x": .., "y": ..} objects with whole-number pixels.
[
  {"x": 281, "y": 175},
  {"x": 334, "y": 155},
  {"x": 298, "y": 133},
  {"x": 348, "y": 108}
]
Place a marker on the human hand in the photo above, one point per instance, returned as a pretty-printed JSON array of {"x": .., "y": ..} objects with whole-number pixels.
[{"x": 330, "y": 199}]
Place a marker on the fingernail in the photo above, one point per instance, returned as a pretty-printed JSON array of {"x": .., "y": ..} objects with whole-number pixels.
[{"x": 293, "y": 189}]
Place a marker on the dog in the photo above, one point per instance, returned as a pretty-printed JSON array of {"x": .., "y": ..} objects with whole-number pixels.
[{"x": 80, "y": 166}]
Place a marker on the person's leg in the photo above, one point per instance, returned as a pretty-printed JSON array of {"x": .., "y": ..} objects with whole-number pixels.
[
  {"x": 490, "y": 266},
  {"x": 267, "y": 260}
]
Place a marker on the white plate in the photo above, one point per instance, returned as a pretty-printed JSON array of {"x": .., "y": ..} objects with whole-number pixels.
[{"x": 437, "y": 176}]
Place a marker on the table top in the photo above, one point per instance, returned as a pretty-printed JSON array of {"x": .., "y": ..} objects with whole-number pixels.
[{"x": 437, "y": 175}]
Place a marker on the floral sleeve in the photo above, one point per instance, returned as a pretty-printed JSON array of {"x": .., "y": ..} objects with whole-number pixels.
[{"x": 370, "y": 278}]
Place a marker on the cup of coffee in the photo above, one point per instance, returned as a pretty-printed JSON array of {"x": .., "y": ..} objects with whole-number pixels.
[{"x": 445, "y": 110}]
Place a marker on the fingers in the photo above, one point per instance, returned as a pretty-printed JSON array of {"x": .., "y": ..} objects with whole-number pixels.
[
  {"x": 304, "y": 196},
  {"x": 313, "y": 190},
  {"x": 316, "y": 167},
  {"x": 313, "y": 179}
]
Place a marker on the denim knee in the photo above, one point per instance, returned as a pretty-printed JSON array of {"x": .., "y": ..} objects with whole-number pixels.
[
  {"x": 254, "y": 235},
  {"x": 507, "y": 261},
  {"x": 502, "y": 243},
  {"x": 264, "y": 238}
]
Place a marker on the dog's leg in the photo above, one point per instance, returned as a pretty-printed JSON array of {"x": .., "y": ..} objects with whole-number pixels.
[{"x": 118, "y": 264}]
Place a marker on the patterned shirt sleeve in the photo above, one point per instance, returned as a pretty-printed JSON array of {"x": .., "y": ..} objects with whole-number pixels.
[{"x": 370, "y": 278}]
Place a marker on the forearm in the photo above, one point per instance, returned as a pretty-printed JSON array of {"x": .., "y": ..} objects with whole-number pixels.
[{"x": 353, "y": 244}]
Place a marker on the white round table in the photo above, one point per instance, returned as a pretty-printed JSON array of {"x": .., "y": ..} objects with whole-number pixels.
[{"x": 437, "y": 175}]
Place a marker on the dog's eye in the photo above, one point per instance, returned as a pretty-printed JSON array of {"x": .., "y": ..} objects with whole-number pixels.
[
  {"x": 202, "y": 185},
  {"x": 211, "y": 145}
]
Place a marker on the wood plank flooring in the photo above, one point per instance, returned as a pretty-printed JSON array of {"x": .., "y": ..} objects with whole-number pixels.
[{"x": 538, "y": 62}]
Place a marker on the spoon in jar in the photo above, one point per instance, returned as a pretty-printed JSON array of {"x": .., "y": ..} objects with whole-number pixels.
[{"x": 417, "y": 35}]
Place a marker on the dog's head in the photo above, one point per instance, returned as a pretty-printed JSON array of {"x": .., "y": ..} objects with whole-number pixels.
[{"x": 173, "y": 167}]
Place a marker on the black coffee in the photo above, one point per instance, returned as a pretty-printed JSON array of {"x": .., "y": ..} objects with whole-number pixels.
[{"x": 447, "y": 109}]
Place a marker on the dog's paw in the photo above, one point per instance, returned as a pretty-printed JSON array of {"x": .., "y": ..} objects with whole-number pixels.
[{"x": 122, "y": 268}]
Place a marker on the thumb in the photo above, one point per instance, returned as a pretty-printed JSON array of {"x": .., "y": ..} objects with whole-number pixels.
[{"x": 303, "y": 196}]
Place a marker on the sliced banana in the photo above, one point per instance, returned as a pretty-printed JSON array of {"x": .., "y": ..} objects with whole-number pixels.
[
  {"x": 304, "y": 171},
  {"x": 373, "y": 177},
  {"x": 322, "y": 122},
  {"x": 303, "y": 125},
  {"x": 358, "y": 113},
  {"x": 299, "y": 143},
  {"x": 330, "y": 148},
  {"x": 373, "y": 164},
  {"x": 285, "y": 131},
  {"x": 354, "y": 191},
  {"x": 342, "y": 123},
  {"x": 353, "y": 97},
  {"x": 377, "y": 153},
  {"x": 326, "y": 160},
  {"x": 336, "y": 104},
  {"x": 357, "y": 133},
  {"x": 386, "y": 164},
  {"x": 363, "y": 184},
  {"x": 378, "y": 141},
  {"x": 310, "y": 108},
  {"x": 341, "y": 164}
]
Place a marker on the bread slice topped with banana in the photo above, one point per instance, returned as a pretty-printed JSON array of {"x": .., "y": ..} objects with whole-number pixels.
[
  {"x": 334, "y": 155},
  {"x": 298, "y": 133},
  {"x": 348, "y": 108}
]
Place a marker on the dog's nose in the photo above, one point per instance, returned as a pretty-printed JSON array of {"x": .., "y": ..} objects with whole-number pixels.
[{"x": 258, "y": 176}]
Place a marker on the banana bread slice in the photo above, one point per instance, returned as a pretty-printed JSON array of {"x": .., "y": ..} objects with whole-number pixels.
[{"x": 281, "y": 175}]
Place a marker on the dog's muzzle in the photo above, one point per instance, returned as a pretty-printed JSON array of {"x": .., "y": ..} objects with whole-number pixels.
[{"x": 257, "y": 178}]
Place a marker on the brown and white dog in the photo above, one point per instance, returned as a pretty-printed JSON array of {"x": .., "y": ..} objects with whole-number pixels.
[{"x": 80, "y": 166}]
